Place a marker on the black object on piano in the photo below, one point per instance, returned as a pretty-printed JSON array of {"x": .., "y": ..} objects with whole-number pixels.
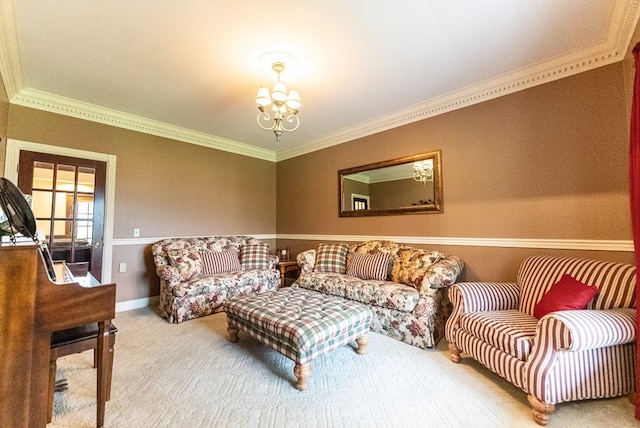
[
  {"x": 21, "y": 220},
  {"x": 17, "y": 210}
]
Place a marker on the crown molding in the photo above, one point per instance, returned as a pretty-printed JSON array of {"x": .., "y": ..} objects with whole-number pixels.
[
  {"x": 33, "y": 98},
  {"x": 612, "y": 49}
]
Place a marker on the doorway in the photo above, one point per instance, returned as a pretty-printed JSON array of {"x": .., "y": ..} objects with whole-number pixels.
[{"x": 68, "y": 197}]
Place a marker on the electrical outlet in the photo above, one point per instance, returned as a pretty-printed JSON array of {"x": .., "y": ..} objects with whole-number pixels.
[
  {"x": 136, "y": 232},
  {"x": 122, "y": 267}
]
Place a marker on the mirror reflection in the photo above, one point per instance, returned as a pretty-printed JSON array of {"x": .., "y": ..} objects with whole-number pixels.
[{"x": 407, "y": 185}]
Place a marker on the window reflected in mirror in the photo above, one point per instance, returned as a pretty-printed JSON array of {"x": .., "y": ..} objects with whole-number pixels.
[{"x": 406, "y": 185}]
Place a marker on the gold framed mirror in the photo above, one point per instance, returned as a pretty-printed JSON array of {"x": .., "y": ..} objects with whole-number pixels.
[{"x": 408, "y": 185}]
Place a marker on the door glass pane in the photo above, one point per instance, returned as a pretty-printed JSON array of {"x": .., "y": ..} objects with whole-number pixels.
[
  {"x": 42, "y": 228},
  {"x": 42, "y": 175},
  {"x": 64, "y": 205},
  {"x": 62, "y": 231},
  {"x": 66, "y": 177},
  {"x": 84, "y": 231},
  {"x": 85, "y": 207},
  {"x": 86, "y": 179},
  {"x": 42, "y": 204}
]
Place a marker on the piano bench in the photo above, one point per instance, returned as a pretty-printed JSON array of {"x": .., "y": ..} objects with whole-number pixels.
[{"x": 72, "y": 341}]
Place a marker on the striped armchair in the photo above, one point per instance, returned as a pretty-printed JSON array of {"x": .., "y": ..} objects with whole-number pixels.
[{"x": 563, "y": 356}]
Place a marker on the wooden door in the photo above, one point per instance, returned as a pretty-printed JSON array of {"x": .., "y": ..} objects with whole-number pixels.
[{"x": 68, "y": 204}]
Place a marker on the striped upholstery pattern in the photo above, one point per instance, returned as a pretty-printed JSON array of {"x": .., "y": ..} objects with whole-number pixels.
[
  {"x": 510, "y": 331},
  {"x": 300, "y": 324},
  {"x": 369, "y": 266},
  {"x": 564, "y": 356},
  {"x": 219, "y": 261},
  {"x": 615, "y": 281},
  {"x": 510, "y": 368},
  {"x": 590, "y": 367}
]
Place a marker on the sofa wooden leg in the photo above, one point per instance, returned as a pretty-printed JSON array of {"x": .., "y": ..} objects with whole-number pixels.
[
  {"x": 541, "y": 411},
  {"x": 455, "y": 353}
]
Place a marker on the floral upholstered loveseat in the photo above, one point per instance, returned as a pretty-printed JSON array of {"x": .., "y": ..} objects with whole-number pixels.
[
  {"x": 405, "y": 287},
  {"x": 197, "y": 275}
]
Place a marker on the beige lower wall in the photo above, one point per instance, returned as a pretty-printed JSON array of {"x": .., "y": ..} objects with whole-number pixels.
[
  {"x": 482, "y": 263},
  {"x": 550, "y": 162}
]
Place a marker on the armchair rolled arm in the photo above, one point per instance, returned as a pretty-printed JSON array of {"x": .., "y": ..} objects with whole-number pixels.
[
  {"x": 169, "y": 274},
  {"x": 484, "y": 296},
  {"x": 272, "y": 260},
  {"x": 306, "y": 260},
  {"x": 442, "y": 274},
  {"x": 579, "y": 330}
]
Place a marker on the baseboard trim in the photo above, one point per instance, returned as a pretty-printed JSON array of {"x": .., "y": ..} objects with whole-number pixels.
[
  {"x": 558, "y": 244},
  {"x": 136, "y": 304}
]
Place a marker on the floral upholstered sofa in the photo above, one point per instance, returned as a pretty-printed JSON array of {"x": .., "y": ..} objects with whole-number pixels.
[
  {"x": 405, "y": 287},
  {"x": 197, "y": 275}
]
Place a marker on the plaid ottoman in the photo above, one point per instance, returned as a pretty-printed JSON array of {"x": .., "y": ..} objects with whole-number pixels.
[{"x": 300, "y": 324}]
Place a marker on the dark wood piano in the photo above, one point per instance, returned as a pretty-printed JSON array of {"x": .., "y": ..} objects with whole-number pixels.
[{"x": 32, "y": 306}]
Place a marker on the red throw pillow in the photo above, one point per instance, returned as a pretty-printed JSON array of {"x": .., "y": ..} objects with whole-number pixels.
[{"x": 566, "y": 294}]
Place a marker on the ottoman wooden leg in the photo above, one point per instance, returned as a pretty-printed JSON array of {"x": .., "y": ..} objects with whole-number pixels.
[
  {"x": 233, "y": 333},
  {"x": 362, "y": 342},
  {"x": 302, "y": 372}
]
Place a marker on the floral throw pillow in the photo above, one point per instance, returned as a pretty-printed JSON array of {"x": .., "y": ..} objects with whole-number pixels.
[
  {"x": 412, "y": 264},
  {"x": 369, "y": 266},
  {"x": 187, "y": 262},
  {"x": 255, "y": 256},
  {"x": 331, "y": 258},
  {"x": 219, "y": 261}
]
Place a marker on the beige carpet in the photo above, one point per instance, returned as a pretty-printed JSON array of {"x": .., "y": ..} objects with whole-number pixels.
[{"x": 190, "y": 375}]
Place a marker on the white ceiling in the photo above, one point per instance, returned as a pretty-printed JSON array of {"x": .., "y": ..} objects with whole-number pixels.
[{"x": 183, "y": 69}]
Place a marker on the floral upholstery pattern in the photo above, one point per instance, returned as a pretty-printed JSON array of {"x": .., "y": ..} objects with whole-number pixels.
[
  {"x": 372, "y": 292},
  {"x": 199, "y": 295},
  {"x": 412, "y": 264},
  {"x": 186, "y": 261},
  {"x": 413, "y": 314}
]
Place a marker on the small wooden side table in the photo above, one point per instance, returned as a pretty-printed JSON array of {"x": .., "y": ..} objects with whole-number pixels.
[{"x": 287, "y": 266}]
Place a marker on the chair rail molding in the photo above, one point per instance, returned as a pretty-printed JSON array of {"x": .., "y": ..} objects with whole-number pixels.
[{"x": 557, "y": 244}]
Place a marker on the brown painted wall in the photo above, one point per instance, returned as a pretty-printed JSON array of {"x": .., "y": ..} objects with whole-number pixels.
[
  {"x": 164, "y": 187},
  {"x": 547, "y": 162}
]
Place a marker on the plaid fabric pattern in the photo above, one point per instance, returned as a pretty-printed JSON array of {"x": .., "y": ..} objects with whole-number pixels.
[
  {"x": 219, "y": 262},
  {"x": 369, "y": 266},
  {"x": 298, "y": 323},
  {"x": 331, "y": 258},
  {"x": 255, "y": 256}
]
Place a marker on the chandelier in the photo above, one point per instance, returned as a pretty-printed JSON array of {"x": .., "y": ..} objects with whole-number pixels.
[
  {"x": 423, "y": 171},
  {"x": 278, "y": 105}
]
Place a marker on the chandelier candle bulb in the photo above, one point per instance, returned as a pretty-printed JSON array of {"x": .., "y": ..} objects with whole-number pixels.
[{"x": 284, "y": 106}]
